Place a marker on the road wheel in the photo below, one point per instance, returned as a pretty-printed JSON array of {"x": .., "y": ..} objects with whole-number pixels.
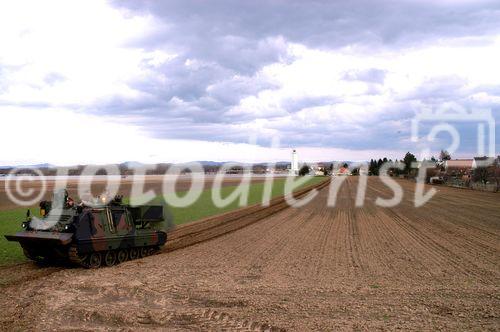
[
  {"x": 95, "y": 260},
  {"x": 82, "y": 260},
  {"x": 144, "y": 251},
  {"x": 133, "y": 253},
  {"x": 110, "y": 258},
  {"x": 122, "y": 256}
]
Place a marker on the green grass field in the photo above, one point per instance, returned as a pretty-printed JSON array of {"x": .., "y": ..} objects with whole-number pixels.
[{"x": 10, "y": 220}]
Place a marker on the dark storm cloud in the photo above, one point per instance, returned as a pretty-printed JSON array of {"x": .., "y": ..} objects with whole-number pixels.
[
  {"x": 222, "y": 45},
  {"x": 321, "y": 23}
]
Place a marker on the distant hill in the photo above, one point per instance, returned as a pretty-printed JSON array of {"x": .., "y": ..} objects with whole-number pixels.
[
  {"x": 29, "y": 166},
  {"x": 211, "y": 163},
  {"x": 132, "y": 164}
]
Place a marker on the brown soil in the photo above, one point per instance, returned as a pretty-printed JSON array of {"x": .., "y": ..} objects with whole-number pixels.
[
  {"x": 312, "y": 268},
  {"x": 152, "y": 182}
]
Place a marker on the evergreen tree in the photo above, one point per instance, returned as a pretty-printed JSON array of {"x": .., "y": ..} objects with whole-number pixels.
[
  {"x": 408, "y": 160},
  {"x": 304, "y": 170}
]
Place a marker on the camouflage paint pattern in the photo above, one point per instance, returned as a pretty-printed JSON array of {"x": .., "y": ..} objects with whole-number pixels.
[
  {"x": 113, "y": 228},
  {"x": 96, "y": 229}
]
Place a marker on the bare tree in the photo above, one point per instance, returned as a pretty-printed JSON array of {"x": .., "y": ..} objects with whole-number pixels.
[
  {"x": 487, "y": 170},
  {"x": 444, "y": 155},
  {"x": 481, "y": 175}
]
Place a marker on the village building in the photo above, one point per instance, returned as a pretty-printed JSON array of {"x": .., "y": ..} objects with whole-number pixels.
[{"x": 459, "y": 167}]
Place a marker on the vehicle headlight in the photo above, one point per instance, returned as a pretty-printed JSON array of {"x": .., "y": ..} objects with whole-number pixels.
[
  {"x": 66, "y": 227},
  {"x": 23, "y": 225}
]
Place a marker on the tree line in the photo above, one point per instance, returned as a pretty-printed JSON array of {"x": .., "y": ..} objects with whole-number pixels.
[{"x": 405, "y": 168}]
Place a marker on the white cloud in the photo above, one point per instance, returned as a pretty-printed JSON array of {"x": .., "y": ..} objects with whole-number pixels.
[
  {"x": 409, "y": 74},
  {"x": 149, "y": 77},
  {"x": 85, "y": 43},
  {"x": 68, "y": 138}
]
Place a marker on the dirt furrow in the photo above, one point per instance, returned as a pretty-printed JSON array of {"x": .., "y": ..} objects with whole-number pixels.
[{"x": 309, "y": 268}]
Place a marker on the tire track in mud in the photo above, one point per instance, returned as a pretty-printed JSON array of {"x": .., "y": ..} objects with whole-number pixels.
[
  {"x": 208, "y": 319},
  {"x": 226, "y": 321}
]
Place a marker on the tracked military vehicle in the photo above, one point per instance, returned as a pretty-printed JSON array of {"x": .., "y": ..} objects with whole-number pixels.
[{"x": 92, "y": 235}]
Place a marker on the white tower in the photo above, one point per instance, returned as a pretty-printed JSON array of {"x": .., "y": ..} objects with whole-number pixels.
[{"x": 294, "y": 170}]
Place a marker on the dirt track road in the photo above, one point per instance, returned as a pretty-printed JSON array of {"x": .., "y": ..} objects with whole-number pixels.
[{"x": 313, "y": 268}]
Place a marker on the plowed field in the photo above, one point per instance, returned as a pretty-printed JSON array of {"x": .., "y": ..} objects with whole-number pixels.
[{"x": 308, "y": 268}]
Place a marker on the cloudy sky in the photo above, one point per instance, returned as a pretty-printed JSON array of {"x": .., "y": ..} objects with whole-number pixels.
[{"x": 171, "y": 81}]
